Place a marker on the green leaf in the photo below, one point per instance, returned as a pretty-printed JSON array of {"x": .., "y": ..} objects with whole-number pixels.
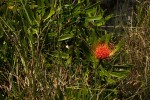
[
  {"x": 111, "y": 81},
  {"x": 7, "y": 24},
  {"x": 94, "y": 5},
  {"x": 53, "y": 34},
  {"x": 61, "y": 55},
  {"x": 119, "y": 45},
  {"x": 65, "y": 37},
  {"x": 103, "y": 72},
  {"x": 101, "y": 22},
  {"x": 26, "y": 12},
  {"x": 108, "y": 37},
  {"x": 77, "y": 7},
  {"x": 94, "y": 18},
  {"x": 91, "y": 11},
  {"x": 108, "y": 17},
  {"x": 52, "y": 11},
  {"x": 41, "y": 6},
  {"x": 64, "y": 55},
  {"x": 122, "y": 66},
  {"x": 119, "y": 74}
]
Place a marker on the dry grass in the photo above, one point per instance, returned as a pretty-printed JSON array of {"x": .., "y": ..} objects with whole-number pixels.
[
  {"x": 137, "y": 44},
  {"x": 138, "y": 54},
  {"x": 134, "y": 21}
]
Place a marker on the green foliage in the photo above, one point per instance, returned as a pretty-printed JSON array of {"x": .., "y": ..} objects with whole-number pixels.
[{"x": 46, "y": 51}]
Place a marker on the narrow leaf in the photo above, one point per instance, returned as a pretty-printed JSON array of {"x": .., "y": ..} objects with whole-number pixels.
[
  {"x": 108, "y": 17},
  {"x": 65, "y": 37},
  {"x": 122, "y": 66},
  {"x": 119, "y": 45},
  {"x": 119, "y": 74},
  {"x": 26, "y": 12},
  {"x": 94, "y": 5},
  {"x": 94, "y": 18},
  {"x": 108, "y": 37},
  {"x": 77, "y": 6},
  {"x": 61, "y": 54},
  {"x": 52, "y": 11},
  {"x": 101, "y": 22}
]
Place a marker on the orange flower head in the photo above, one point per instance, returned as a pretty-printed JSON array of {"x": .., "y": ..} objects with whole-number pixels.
[{"x": 102, "y": 51}]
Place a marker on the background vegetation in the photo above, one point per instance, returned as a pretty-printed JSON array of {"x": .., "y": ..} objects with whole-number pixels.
[{"x": 46, "y": 50}]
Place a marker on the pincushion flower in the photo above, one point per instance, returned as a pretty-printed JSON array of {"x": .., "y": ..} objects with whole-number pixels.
[{"x": 102, "y": 51}]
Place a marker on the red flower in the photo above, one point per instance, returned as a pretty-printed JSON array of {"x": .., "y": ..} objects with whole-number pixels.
[{"x": 102, "y": 51}]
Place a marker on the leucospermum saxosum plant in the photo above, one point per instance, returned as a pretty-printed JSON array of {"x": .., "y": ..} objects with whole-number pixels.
[
  {"x": 108, "y": 71},
  {"x": 102, "y": 51}
]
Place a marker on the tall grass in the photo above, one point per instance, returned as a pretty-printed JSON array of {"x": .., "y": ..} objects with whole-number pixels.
[
  {"x": 138, "y": 52},
  {"x": 137, "y": 44},
  {"x": 46, "y": 52}
]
